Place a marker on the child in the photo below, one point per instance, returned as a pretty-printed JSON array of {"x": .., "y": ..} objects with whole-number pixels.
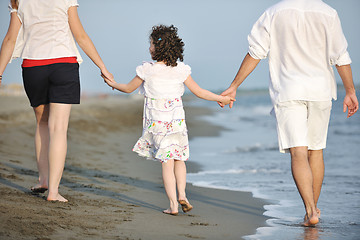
[{"x": 164, "y": 136}]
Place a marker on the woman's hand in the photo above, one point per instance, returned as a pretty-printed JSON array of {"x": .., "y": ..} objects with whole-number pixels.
[{"x": 106, "y": 74}]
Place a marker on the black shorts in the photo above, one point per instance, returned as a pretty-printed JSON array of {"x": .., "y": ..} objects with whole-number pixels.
[{"x": 54, "y": 83}]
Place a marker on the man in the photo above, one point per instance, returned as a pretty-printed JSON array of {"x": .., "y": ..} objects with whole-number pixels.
[{"x": 302, "y": 39}]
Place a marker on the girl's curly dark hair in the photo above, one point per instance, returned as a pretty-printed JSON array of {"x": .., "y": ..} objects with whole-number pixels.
[{"x": 169, "y": 47}]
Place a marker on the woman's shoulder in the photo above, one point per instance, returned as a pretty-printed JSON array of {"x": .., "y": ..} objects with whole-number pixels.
[{"x": 27, "y": 5}]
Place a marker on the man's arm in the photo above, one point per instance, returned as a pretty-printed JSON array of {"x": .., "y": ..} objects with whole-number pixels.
[
  {"x": 350, "y": 101},
  {"x": 247, "y": 66}
]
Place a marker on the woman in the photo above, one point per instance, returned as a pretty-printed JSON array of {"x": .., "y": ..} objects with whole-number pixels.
[{"x": 44, "y": 39}]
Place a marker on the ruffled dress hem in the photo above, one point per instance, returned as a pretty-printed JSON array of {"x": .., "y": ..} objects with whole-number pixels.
[{"x": 174, "y": 151}]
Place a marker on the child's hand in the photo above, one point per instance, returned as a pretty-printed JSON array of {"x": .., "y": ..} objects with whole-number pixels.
[
  {"x": 225, "y": 100},
  {"x": 109, "y": 82}
]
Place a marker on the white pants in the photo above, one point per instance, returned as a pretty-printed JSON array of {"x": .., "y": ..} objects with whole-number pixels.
[{"x": 302, "y": 123}]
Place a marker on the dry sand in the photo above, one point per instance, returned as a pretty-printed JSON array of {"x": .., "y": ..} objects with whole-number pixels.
[{"x": 113, "y": 193}]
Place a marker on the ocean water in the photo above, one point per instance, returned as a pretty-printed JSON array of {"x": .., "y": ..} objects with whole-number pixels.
[{"x": 246, "y": 158}]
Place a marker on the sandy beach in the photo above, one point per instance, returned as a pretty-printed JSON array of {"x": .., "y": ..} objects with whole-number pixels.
[{"x": 112, "y": 192}]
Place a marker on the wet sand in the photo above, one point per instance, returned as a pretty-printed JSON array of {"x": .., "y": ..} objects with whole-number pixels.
[{"x": 112, "y": 192}]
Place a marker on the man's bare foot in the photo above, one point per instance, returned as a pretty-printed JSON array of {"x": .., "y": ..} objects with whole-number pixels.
[
  {"x": 56, "y": 198},
  {"x": 318, "y": 214},
  {"x": 311, "y": 221},
  {"x": 168, "y": 211}
]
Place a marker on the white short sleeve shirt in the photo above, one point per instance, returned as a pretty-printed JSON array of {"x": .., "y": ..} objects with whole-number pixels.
[
  {"x": 161, "y": 81},
  {"x": 302, "y": 39},
  {"x": 45, "y": 31}
]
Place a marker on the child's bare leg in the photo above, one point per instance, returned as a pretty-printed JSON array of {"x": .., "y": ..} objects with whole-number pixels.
[
  {"x": 180, "y": 174},
  {"x": 42, "y": 145},
  {"x": 317, "y": 166},
  {"x": 170, "y": 185},
  {"x": 58, "y": 125},
  {"x": 304, "y": 181}
]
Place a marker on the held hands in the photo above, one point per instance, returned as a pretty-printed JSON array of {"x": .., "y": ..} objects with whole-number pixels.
[
  {"x": 106, "y": 74},
  {"x": 108, "y": 78},
  {"x": 351, "y": 104},
  {"x": 111, "y": 84},
  {"x": 231, "y": 93},
  {"x": 225, "y": 100}
]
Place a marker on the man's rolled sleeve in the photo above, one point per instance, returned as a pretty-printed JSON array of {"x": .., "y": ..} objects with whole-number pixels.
[
  {"x": 11, "y": 9},
  {"x": 338, "y": 45},
  {"x": 343, "y": 60},
  {"x": 259, "y": 38}
]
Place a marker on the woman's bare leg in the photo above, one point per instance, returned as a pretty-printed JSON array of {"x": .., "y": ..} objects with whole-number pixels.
[
  {"x": 42, "y": 145},
  {"x": 170, "y": 185},
  {"x": 58, "y": 125}
]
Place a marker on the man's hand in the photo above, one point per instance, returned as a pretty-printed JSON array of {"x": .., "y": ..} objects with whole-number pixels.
[{"x": 351, "y": 104}]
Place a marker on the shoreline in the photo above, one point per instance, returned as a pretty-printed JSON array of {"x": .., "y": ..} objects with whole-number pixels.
[{"x": 113, "y": 193}]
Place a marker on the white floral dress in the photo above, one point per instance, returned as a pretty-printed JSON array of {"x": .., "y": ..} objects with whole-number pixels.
[{"x": 164, "y": 134}]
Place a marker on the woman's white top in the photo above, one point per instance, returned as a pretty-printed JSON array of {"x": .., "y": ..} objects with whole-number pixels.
[
  {"x": 302, "y": 39},
  {"x": 45, "y": 32},
  {"x": 161, "y": 81}
]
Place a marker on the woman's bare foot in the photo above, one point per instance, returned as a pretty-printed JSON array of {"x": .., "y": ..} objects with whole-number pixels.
[{"x": 56, "y": 198}]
